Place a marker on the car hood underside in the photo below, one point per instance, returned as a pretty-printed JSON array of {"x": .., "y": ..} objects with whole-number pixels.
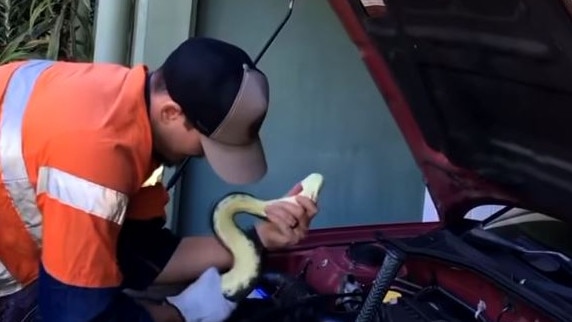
[{"x": 482, "y": 91}]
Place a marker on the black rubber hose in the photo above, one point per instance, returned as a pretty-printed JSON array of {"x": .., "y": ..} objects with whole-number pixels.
[{"x": 391, "y": 264}]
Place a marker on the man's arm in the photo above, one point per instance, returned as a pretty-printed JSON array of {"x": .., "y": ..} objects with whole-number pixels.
[
  {"x": 146, "y": 246},
  {"x": 180, "y": 269},
  {"x": 83, "y": 197}
]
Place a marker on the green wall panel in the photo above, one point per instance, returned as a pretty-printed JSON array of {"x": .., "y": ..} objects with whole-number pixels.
[{"x": 326, "y": 115}]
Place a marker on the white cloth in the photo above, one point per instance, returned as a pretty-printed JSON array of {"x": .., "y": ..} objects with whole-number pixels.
[{"x": 203, "y": 300}]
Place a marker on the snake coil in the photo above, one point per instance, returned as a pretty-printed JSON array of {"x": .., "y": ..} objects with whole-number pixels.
[{"x": 239, "y": 281}]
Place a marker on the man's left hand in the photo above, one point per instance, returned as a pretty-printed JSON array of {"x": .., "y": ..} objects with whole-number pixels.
[{"x": 288, "y": 222}]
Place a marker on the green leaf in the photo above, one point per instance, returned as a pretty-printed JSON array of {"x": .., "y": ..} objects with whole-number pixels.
[
  {"x": 12, "y": 49},
  {"x": 36, "y": 10},
  {"x": 52, "y": 29},
  {"x": 55, "y": 35}
]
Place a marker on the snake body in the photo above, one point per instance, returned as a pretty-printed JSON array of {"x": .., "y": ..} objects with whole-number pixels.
[{"x": 240, "y": 279}]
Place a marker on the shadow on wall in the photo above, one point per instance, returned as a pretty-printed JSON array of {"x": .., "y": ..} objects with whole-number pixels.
[{"x": 326, "y": 116}]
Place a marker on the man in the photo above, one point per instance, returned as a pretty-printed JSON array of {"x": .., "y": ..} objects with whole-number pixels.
[{"x": 77, "y": 141}]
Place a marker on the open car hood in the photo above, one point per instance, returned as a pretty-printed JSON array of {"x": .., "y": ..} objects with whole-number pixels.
[{"x": 482, "y": 91}]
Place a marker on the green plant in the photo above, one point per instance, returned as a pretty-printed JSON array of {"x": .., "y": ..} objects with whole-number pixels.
[{"x": 50, "y": 29}]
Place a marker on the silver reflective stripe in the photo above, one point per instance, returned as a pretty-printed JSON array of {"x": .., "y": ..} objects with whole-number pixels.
[
  {"x": 14, "y": 174},
  {"x": 82, "y": 194},
  {"x": 8, "y": 284}
]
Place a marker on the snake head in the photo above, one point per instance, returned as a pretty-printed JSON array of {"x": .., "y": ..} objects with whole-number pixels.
[{"x": 311, "y": 186}]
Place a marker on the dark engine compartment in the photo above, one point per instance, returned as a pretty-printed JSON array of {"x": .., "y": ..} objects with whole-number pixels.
[
  {"x": 347, "y": 272},
  {"x": 332, "y": 282}
]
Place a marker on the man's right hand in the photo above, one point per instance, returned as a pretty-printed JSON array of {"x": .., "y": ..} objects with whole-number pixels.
[{"x": 203, "y": 300}]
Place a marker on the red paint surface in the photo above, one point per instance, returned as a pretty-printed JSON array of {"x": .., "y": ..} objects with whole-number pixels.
[
  {"x": 471, "y": 288},
  {"x": 291, "y": 259}
]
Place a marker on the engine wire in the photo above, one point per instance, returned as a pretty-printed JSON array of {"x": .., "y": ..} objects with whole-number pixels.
[{"x": 505, "y": 310}]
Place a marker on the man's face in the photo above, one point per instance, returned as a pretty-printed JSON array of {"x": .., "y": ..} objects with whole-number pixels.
[{"x": 174, "y": 138}]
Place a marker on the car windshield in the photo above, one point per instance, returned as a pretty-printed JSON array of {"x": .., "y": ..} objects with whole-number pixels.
[{"x": 531, "y": 230}]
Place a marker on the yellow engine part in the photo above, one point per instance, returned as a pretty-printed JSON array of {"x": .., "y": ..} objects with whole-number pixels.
[
  {"x": 391, "y": 296},
  {"x": 240, "y": 278}
]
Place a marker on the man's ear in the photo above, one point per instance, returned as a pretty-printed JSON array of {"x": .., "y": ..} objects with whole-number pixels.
[{"x": 170, "y": 111}]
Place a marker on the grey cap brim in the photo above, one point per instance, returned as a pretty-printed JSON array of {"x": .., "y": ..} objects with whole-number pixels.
[{"x": 236, "y": 164}]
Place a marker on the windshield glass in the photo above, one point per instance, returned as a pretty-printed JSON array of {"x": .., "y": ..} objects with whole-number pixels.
[{"x": 532, "y": 230}]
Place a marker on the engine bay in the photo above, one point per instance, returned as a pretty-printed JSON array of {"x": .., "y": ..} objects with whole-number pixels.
[
  {"x": 333, "y": 284},
  {"x": 383, "y": 279}
]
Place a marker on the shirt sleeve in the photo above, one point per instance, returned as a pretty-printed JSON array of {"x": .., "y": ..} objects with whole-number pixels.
[
  {"x": 83, "y": 187},
  {"x": 148, "y": 203}
]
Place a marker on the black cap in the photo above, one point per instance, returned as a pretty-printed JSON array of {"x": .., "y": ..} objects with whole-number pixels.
[
  {"x": 223, "y": 94},
  {"x": 203, "y": 75}
]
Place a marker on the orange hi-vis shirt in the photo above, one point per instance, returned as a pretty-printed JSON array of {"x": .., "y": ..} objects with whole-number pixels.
[{"x": 75, "y": 148}]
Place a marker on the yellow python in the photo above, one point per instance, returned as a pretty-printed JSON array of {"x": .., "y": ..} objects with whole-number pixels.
[{"x": 239, "y": 280}]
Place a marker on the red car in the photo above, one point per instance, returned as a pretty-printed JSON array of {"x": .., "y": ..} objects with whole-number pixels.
[{"x": 482, "y": 91}]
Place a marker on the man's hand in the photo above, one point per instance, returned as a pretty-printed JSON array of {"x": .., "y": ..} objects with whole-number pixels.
[
  {"x": 288, "y": 222},
  {"x": 203, "y": 300}
]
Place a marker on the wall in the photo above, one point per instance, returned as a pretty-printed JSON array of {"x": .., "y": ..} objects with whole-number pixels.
[
  {"x": 158, "y": 29},
  {"x": 325, "y": 116}
]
